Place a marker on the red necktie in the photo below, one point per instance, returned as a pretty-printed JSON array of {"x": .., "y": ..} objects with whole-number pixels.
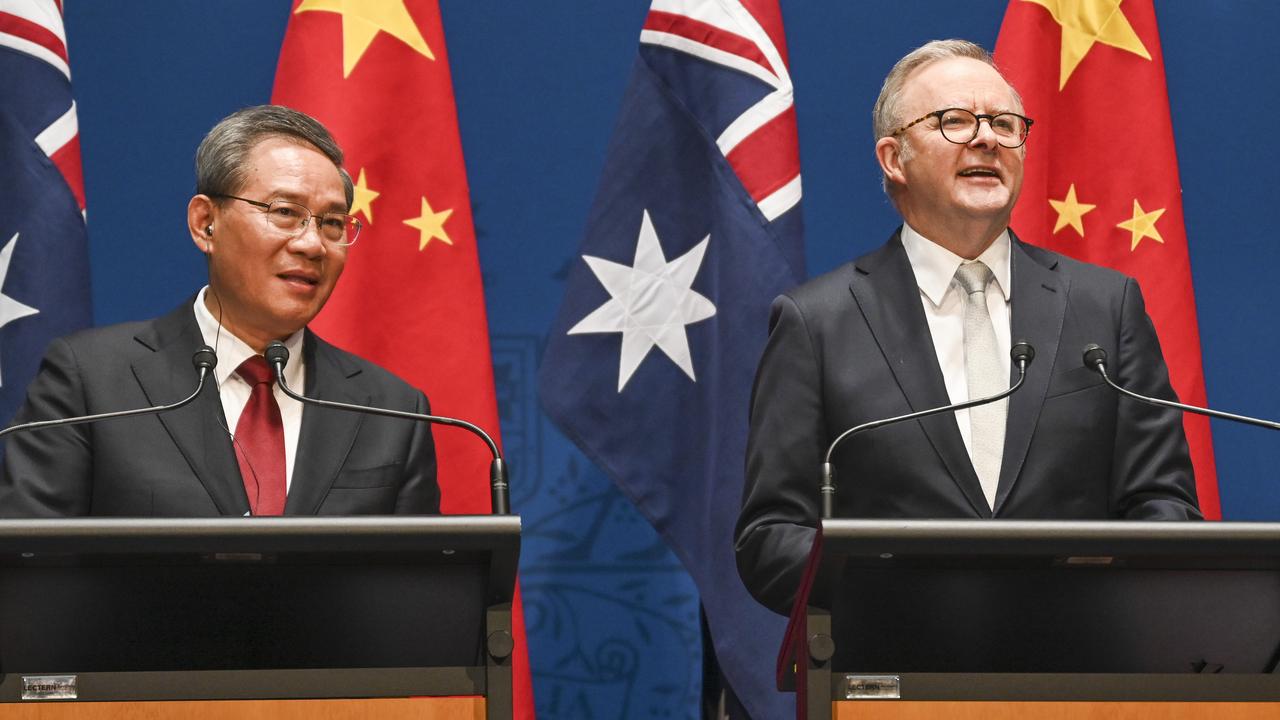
[{"x": 259, "y": 441}]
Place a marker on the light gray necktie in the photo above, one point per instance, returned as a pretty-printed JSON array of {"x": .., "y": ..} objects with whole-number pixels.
[{"x": 985, "y": 376}]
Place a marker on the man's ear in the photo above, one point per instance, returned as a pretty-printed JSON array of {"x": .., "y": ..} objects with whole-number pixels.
[
  {"x": 889, "y": 155},
  {"x": 201, "y": 222}
]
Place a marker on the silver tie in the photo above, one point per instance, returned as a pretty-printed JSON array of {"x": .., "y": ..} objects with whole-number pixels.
[{"x": 985, "y": 377}]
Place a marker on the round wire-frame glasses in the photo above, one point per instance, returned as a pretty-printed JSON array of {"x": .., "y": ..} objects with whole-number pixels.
[{"x": 291, "y": 217}]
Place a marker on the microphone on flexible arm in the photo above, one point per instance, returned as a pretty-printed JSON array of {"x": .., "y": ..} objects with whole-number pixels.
[
  {"x": 1022, "y": 353},
  {"x": 1096, "y": 358},
  {"x": 204, "y": 360},
  {"x": 277, "y": 356}
]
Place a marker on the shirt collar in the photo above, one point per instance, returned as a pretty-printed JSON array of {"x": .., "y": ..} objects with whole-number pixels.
[
  {"x": 935, "y": 266},
  {"x": 232, "y": 351}
]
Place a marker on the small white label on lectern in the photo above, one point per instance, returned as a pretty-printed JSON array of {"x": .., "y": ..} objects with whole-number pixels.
[
  {"x": 48, "y": 687},
  {"x": 872, "y": 687}
]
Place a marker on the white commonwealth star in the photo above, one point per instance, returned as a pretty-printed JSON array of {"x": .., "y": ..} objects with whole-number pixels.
[
  {"x": 10, "y": 309},
  {"x": 650, "y": 303}
]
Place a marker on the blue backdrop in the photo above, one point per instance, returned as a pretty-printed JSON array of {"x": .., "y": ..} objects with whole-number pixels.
[{"x": 613, "y": 631}]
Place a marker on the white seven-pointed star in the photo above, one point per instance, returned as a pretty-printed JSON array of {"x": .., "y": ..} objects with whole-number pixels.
[
  {"x": 10, "y": 309},
  {"x": 650, "y": 303}
]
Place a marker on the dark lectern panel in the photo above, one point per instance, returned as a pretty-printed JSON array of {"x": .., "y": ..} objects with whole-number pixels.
[
  {"x": 1033, "y": 618},
  {"x": 238, "y": 613}
]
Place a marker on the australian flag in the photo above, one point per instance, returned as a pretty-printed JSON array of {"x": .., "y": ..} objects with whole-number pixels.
[
  {"x": 694, "y": 230},
  {"x": 44, "y": 259}
]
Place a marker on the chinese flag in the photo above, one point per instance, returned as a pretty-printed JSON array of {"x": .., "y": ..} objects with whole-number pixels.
[
  {"x": 377, "y": 75},
  {"x": 1102, "y": 173}
]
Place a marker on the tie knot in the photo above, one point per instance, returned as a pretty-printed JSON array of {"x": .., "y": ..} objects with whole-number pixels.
[
  {"x": 255, "y": 370},
  {"x": 973, "y": 277}
]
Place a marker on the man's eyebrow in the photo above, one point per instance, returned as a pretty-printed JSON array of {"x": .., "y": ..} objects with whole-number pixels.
[
  {"x": 971, "y": 108},
  {"x": 339, "y": 206},
  {"x": 284, "y": 194}
]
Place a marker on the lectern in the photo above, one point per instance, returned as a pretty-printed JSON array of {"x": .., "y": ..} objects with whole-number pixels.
[
  {"x": 1036, "y": 611},
  {"x": 257, "y": 608}
]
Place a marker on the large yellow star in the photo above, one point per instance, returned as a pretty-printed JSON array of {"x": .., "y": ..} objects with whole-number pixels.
[
  {"x": 1085, "y": 22},
  {"x": 1142, "y": 225},
  {"x": 362, "y": 20},
  {"x": 1070, "y": 211},
  {"x": 430, "y": 225},
  {"x": 362, "y": 202}
]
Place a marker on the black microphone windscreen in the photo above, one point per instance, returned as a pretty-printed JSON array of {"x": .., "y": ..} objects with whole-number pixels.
[
  {"x": 1022, "y": 352},
  {"x": 205, "y": 358},
  {"x": 276, "y": 353},
  {"x": 1094, "y": 356}
]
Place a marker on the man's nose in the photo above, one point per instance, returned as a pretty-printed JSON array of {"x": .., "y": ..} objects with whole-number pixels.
[
  {"x": 985, "y": 137},
  {"x": 308, "y": 241}
]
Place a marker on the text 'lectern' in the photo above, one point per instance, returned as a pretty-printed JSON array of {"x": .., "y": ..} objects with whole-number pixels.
[
  {"x": 1043, "y": 611},
  {"x": 258, "y": 608}
]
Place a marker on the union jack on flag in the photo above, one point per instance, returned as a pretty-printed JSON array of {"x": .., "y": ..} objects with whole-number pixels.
[
  {"x": 759, "y": 140},
  {"x": 44, "y": 263},
  {"x": 694, "y": 230}
]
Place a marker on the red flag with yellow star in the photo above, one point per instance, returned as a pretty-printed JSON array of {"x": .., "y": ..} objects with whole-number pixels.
[
  {"x": 1102, "y": 173},
  {"x": 376, "y": 74}
]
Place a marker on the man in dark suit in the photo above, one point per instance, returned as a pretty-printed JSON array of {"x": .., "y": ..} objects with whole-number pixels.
[
  {"x": 927, "y": 320},
  {"x": 270, "y": 216}
]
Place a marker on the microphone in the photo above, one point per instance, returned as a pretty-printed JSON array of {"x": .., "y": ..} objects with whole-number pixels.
[
  {"x": 1095, "y": 357},
  {"x": 204, "y": 360},
  {"x": 1022, "y": 353},
  {"x": 277, "y": 356}
]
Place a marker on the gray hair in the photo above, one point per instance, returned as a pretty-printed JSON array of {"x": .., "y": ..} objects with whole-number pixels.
[
  {"x": 222, "y": 155},
  {"x": 886, "y": 116}
]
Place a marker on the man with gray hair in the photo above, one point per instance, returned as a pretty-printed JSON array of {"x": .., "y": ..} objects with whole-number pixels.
[
  {"x": 270, "y": 217},
  {"x": 929, "y": 320}
]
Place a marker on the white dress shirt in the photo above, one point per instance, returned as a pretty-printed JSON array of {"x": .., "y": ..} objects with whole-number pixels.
[
  {"x": 232, "y": 351},
  {"x": 943, "y": 300}
]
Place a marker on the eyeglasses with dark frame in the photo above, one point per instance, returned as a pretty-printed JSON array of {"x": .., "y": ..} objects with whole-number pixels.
[
  {"x": 960, "y": 126},
  {"x": 337, "y": 228}
]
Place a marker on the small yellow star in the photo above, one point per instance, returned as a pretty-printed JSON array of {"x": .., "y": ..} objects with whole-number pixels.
[
  {"x": 430, "y": 225},
  {"x": 362, "y": 20},
  {"x": 1070, "y": 212},
  {"x": 364, "y": 197},
  {"x": 1085, "y": 22},
  {"x": 1142, "y": 225}
]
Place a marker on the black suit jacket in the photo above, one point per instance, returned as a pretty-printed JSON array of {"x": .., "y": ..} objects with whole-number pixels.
[
  {"x": 181, "y": 464},
  {"x": 853, "y": 346}
]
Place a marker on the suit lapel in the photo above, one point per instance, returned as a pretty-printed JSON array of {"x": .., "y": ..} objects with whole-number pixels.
[
  {"x": 166, "y": 376},
  {"x": 1039, "y": 306},
  {"x": 327, "y": 435},
  {"x": 885, "y": 289}
]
